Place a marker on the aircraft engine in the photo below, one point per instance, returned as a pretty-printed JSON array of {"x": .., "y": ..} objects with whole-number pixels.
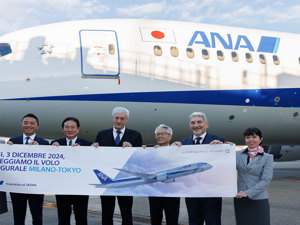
[
  {"x": 162, "y": 177},
  {"x": 284, "y": 152}
]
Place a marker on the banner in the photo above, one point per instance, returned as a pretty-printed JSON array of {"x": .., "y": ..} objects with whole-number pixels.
[{"x": 187, "y": 171}]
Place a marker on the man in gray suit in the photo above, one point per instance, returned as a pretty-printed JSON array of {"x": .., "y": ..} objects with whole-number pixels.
[{"x": 3, "y": 202}]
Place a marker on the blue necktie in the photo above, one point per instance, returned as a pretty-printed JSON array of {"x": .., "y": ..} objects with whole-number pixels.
[
  {"x": 197, "y": 141},
  {"x": 27, "y": 140},
  {"x": 70, "y": 143},
  {"x": 117, "y": 140}
]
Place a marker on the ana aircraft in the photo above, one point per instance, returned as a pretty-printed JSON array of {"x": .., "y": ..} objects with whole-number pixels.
[
  {"x": 166, "y": 176},
  {"x": 161, "y": 71}
]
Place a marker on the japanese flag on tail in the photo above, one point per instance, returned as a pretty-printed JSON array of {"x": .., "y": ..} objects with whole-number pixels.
[{"x": 157, "y": 35}]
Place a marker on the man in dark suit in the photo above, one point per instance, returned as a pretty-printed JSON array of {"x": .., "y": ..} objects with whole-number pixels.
[
  {"x": 71, "y": 127},
  {"x": 202, "y": 209},
  {"x": 30, "y": 123},
  {"x": 122, "y": 137}
]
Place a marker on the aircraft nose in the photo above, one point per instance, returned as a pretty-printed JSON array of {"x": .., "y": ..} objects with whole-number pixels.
[{"x": 208, "y": 166}]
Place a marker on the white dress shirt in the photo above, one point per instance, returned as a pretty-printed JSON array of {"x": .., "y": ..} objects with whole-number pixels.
[
  {"x": 31, "y": 138},
  {"x": 116, "y": 134},
  {"x": 201, "y": 140}
]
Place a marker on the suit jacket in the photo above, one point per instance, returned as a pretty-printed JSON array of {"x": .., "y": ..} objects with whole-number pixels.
[
  {"x": 80, "y": 141},
  {"x": 254, "y": 177},
  {"x": 19, "y": 140},
  {"x": 106, "y": 138},
  {"x": 208, "y": 138}
]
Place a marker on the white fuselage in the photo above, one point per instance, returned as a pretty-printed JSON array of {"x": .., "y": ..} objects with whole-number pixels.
[{"x": 86, "y": 68}]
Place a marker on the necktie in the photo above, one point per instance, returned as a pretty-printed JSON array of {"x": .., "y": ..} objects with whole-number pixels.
[
  {"x": 197, "y": 142},
  {"x": 27, "y": 140},
  {"x": 117, "y": 140},
  {"x": 70, "y": 143}
]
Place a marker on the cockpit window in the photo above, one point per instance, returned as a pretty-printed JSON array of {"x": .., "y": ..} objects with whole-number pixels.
[{"x": 5, "y": 49}]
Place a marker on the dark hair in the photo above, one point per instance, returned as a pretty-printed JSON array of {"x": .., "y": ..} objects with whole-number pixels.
[
  {"x": 70, "y": 118},
  {"x": 32, "y": 116},
  {"x": 252, "y": 131}
]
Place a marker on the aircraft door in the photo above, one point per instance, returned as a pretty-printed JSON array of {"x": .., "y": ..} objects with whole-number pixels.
[{"x": 99, "y": 53}]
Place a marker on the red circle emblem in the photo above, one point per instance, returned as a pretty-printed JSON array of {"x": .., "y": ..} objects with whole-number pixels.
[{"x": 157, "y": 34}]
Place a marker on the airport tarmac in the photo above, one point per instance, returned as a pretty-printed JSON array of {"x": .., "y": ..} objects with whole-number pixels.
[{"x": 284, "y": 197}]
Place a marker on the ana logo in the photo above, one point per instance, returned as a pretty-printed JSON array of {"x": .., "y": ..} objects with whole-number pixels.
[
  {"x": 102, "y": 176},
  {"x": 1, "y": 182},
  {"x": 266, "y": 44}
]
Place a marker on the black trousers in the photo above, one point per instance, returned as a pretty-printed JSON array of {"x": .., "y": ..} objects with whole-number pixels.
[
  {"x": 169, "y": 205},
  {"x": 204, "y": 209},
  {"x": 19, "y": 203},
  {"x": 64, "y": 208},
  {"x": 108, "y": 208},
  {"x": 3, "y": 202}
]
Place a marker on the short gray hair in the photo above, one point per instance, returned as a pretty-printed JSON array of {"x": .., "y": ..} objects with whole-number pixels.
[
  {"x": 199, "y": 114},
  {"x": 169, "y": 129},
  {"x": 118, "y": 110}
]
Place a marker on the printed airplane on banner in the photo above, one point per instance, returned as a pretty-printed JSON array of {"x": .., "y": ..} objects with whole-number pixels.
[
  {"x": 166, "y": 176},
  {"x": 188, "y": 171}
]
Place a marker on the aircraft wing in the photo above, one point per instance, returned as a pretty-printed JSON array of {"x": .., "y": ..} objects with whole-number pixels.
[{"x": 144, "y": 176}]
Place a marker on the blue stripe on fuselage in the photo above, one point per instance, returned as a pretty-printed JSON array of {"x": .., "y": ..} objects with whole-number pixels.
[{"x": 288, "y": 97}]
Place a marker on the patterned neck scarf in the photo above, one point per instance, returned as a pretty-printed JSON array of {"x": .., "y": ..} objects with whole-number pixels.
[{"x": 254, "y": 151}]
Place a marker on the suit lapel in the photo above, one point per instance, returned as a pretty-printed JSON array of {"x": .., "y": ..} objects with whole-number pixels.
[
  {"x": 245, "y": 159},
  {"x": 111, "y": 136},
  {"x": 190, "y": 140},
  {"x": 64, "y": 141},
  {"x": 20, "y": 140}
]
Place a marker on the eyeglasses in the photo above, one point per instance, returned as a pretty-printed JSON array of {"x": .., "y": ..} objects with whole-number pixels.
[{"x": 161, "y": 134}]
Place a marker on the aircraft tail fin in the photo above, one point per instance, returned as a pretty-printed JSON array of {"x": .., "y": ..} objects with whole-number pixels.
[{"x": 103, "y": 178}]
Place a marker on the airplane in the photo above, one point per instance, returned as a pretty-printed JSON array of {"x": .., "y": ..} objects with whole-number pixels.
[
  {"x": 162, "y": 71},
  {"x": 166, "y": 176}
]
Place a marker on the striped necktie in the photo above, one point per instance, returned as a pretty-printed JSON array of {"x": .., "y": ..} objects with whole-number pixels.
[
  {"x": 117, "y": 140},
  {"x": 27, "y": 140}
]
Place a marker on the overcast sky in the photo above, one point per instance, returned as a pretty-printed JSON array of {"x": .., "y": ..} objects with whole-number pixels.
[{"x": 260, "y": 14}]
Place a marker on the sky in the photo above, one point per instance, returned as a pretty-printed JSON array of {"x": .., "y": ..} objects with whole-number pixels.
[{"x": 276, "y": 15}]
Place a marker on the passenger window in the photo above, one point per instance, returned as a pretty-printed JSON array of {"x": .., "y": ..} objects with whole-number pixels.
[
  {"x": 5, "y": 49},
  {"x": 174, "y": 51},
  {"x": 299, "y": 60},
  {"x": 276, "y": 60},
  {"x": 111, "y": 49},
  {"x": 157, "y": 50},
  {"x": 249, "y": 57},
  {"x": 205, "y": 54},
  {"x": 262, "y": 59},
  {"x": 235, "y": 56},
  {"x": 220, "y": 55},
  {"x": 190, "y": 53}
]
